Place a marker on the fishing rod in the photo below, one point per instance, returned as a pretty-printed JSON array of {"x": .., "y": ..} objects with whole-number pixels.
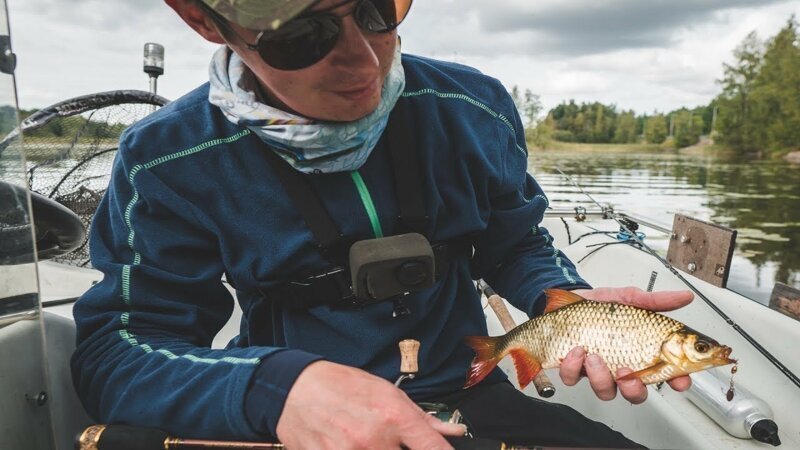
[
  {"x": 126, "y": 437},
  {"x": 783, "y": 369},
  {"x": 541, "y": 381},
  {"x": 123, "y": 437}
]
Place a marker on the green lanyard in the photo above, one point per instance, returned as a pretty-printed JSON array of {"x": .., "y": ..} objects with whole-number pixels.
[{"x": 366, "y": 199}]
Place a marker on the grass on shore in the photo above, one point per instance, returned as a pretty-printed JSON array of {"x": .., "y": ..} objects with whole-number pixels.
[
  {"x": 706, "y": 146},
  {"x": 589, "y": 148}
]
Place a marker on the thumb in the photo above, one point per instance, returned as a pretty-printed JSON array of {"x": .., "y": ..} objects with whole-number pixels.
[
  {"x": 654, "y": 301},
  {"x": 658, "y": 301},
  {"x": 445, "y": 428}
]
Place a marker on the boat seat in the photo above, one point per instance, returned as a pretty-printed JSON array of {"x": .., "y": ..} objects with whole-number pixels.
[{"x": 68, "y": 416}]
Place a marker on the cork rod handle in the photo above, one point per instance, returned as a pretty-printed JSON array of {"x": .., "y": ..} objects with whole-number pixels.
[
  {"x": 543, "y": 384},
  {"x": 409, "y": 351}
]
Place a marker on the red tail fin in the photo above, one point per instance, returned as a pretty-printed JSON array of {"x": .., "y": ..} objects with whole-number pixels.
[{"x": 486, "y": 358}]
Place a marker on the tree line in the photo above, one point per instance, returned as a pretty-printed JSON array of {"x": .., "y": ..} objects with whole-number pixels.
[
  {"x": 604, "y": 124},
  {"x": 757, "y": 110},
  {"x": 63, "y": 128}
]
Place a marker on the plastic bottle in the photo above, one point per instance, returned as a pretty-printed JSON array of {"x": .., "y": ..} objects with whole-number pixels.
[{"x": 744, "y": 416}]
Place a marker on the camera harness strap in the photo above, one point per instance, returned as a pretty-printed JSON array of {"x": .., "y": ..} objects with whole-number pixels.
[{"x": 333, "y": 287}]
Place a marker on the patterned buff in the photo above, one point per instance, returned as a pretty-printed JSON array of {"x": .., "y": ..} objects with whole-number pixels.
[{"x": 307, "y": 145}]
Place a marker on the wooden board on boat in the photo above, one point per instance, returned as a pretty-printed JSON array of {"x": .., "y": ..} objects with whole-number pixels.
[
  {"x": 702, "y": 249},
  {"x": 785, "y": 299}
]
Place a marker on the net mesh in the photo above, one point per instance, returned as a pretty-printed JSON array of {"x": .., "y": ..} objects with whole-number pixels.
[{"x": 70, "y": 148}]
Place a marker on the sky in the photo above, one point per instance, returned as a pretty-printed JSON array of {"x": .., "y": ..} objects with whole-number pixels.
[{"x": 645, "y": 55}]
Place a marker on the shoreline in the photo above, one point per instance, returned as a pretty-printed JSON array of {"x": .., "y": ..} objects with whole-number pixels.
[
  {"x": 591, "y": 148},
  {"x": 706, "y": 147}
]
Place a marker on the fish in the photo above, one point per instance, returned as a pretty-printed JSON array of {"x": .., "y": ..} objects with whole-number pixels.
[{"x": 656, "y": 347}]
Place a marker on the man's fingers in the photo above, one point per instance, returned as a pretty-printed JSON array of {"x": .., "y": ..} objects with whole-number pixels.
[
  {"x": 654, "y": 301},
  {"x": 570, "y": 368},
  {"x": 445, "y": 428},
  {"x": 633, "y": 390},
  {"x": 424, "y": 434},
  {"x": 680, "y": 384},
  {"x": 662, "y": 300},
  {"x": 600, "y": 378}
]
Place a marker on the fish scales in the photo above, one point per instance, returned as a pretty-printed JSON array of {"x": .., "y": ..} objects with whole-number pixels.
[{"x": 623, "y": 336}]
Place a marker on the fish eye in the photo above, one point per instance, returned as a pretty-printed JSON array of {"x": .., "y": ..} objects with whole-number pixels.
[{"x": 701, "y": 347}]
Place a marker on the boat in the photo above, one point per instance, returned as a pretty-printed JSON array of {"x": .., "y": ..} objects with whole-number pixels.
[
  {"x": 37, "y": 330},
  {"x": 668, "y": 419}
]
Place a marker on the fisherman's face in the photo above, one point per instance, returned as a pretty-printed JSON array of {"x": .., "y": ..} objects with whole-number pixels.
[{"x": 344, "y": 86}]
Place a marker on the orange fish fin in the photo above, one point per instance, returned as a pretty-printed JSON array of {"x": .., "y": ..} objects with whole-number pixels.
[
  {"x": 486, "y": 358},
  {"x": 559, "y": 298},
  {"x": 527, "y": 366},
  {"x": 645, "y": 373}
]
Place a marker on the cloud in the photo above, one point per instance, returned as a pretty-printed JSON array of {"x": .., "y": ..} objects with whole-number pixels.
[
  {"x": 640, "y": 54},
  {"x": 67, "y": 48},
  {"x": 573, "y": 27},
  {"x": 97, "y": 15},
  {"x": 637, "y": 63}
]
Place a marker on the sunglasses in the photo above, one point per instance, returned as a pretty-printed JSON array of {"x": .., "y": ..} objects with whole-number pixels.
[{"x": 305, "y": 40}]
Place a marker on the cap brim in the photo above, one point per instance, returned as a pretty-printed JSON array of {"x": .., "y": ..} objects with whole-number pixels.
[{"x": 259, "y": 14}]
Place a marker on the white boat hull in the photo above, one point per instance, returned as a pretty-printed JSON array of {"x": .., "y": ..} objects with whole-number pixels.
[{"x": 666, "y": 420}]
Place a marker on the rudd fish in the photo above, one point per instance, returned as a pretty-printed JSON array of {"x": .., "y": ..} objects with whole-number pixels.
[{"x": 656, "y": 347}]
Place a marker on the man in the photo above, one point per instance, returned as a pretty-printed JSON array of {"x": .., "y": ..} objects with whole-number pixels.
[{"x": 200, "y": 190}]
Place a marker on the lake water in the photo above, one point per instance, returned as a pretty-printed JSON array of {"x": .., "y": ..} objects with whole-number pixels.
[{"x": 760, "y": 199}]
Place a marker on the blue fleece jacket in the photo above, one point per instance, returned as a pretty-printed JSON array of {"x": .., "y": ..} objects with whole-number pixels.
[{"x": 192, "y": 197}]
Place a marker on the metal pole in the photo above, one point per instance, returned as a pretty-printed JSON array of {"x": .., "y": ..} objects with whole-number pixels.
[
  {"x": 605, "y": 213},
  {"x": 153, "y": 85},
  {"x": 153, "y": 65}
]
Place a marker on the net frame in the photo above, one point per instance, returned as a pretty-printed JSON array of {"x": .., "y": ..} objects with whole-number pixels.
[{"x": 71, "y": 190}]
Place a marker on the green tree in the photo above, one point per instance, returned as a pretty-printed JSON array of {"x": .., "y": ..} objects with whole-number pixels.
[
  {"x": 776, "y": 95},
  {"x": 587, "y": 122},
  {"x": 529, "y": 106},
  {"x": 735, "y": 114},
  {"x": 655, "y": 129},
  {"x": 687, "y": 128},
  {"x": 626, "y": 130},
  {"x": 541, "y": 135},
  {"x": 706, "y": 114}
]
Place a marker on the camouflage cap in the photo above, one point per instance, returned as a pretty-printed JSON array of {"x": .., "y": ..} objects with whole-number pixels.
[{"x": 259, "y": 14}]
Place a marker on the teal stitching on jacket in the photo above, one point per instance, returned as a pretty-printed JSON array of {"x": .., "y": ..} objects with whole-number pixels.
[
  {"x": 471, "y": 101},
  {"x": 546, "y": 201},
  {"x": 126, "y": 284},
  {"x": 557, "y": 257},
  {"x": 126, "y": 335}
]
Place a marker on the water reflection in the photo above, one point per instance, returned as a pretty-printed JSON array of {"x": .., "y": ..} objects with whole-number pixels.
[{"x": 760, "y": 199}]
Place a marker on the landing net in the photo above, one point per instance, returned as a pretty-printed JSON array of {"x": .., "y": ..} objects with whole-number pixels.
[{"x": 70, "y": 147}]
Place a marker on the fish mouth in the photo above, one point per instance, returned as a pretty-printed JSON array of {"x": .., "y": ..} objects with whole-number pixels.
[{"x": 723, "y": 355}]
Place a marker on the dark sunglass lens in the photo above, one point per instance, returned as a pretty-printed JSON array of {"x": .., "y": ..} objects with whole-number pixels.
[
  {"x": 381, "y": 16},
  {"x": 299, "y": 43}
]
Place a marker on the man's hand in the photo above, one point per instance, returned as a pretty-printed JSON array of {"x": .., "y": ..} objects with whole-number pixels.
[
  {"x": 595, "y": 368},
  {"x": 331, "y": 406}
]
